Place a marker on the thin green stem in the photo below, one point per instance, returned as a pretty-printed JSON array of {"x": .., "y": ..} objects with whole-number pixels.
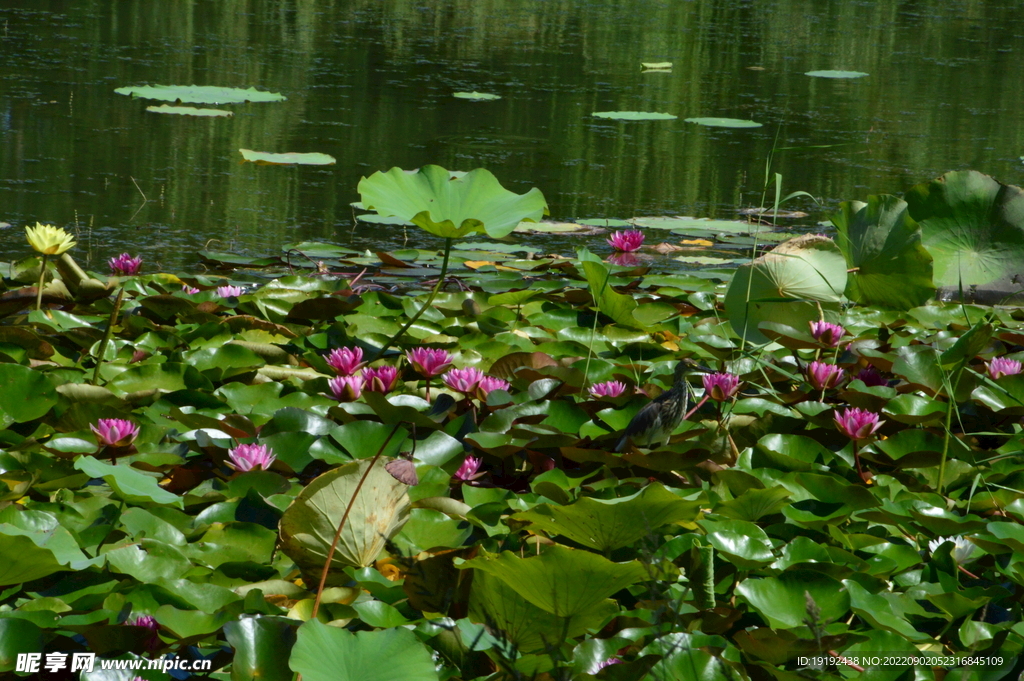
[
  {"x": 42, "y": 278},
  {"x": 430, "y": 299},
  {"x": 341, "y": 523},
  {"x": 107, "y": 335}
]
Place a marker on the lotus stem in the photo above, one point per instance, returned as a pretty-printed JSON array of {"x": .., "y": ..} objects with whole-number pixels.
[
  {"x": 107, "y": 335},
  {"x": 344, "y": 518},
  {"x": 39, "y": 292},
  {"x": 430, "y": 299}
]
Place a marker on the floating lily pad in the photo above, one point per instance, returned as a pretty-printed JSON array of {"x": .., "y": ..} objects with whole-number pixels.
[
  {"x": 714, "y": 122},
  {"x": 635, "y": 115},
  {"x": 605, "y": 222},
  {"x": 188, "y": 111},
  {"x": 656, "y": 65},
  {"x": 836, "y": 74},
  {"x": 547, "y": 227},
  {"x": 476, "y": 96},
  {"x": 289, "y": 158},
  {"x": 688, "y": 225},
  {"x": 200, "y": 94}
]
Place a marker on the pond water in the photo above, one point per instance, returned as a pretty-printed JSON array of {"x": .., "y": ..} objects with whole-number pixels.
[{"x": 370, "y": 82}]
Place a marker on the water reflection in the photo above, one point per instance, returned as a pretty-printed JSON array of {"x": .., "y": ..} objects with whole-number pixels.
[{"x": 370, "y": 83}]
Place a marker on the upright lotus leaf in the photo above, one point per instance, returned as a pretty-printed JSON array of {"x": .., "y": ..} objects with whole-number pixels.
[
  {"x": 497, "y": 604},
  {"x": 262, "y": 646},
  {"x": 610, "y": 302},
  {"x": 883, "y": 243},
  {"x": 563, "y": 581},
  {"x": 973, "y": 226},
  {"x": 325, "y": 653},
  {"x": 22, "y": 561},
  {"x": 450, "y": 206},
  {"x": 309, "y": 524},
  {"x": 607, "y": 524},
  {"x": 787, "y": 286},
  {"x": 782, "y": 600}
]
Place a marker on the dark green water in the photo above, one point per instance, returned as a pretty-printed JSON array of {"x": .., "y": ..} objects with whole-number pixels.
[{"x": 370, "y": 83}]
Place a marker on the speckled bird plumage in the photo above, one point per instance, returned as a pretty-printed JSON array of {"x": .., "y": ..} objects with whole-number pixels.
[{"x": 655, "y": 422}]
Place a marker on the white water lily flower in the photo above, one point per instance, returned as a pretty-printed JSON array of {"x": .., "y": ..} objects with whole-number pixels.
[{"x": 962, "y": 550}]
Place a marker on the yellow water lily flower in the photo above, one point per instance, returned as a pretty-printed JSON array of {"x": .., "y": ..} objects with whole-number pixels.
[{"x": 49, "y": 240}]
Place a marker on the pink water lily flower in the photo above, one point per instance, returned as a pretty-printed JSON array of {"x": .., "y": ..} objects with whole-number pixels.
[
  {"x": 346, "y": 361},
  {"x": 346, "y": 388},
  {"x": 463, "y": 380},
  {"x": 115, "y": 432},
  {"x": 823, "y": 376},
  {"x": 468, "y": 470},
  {"x": 429, "y": 362},
  {"x": 230, "y": 291},
  {"x": 488, "y": 384},
  {"x": 608, "y": 389},
  {"x": 125, "y": 265},
  {"x": 380, "y": 379},
  {"x": 1001, "y": 366},
  {"x": 190, "y": 290},
  {"x": 857, "y": 424},
  {"x": 248, "y": 457},
  {"x": 721, "y": 386},
  {"x": 829, "y": 335},
  {"x": 626, "y": 240}
]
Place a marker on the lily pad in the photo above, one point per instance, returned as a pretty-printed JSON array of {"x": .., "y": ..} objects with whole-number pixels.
[
  {"x": 656, "y": 65},
  {"x": 836, "y": 74},
  {"x": 635, "y": 115},
  {"x": 200, "y": 94},
  {"x": 289, "y": 158},
  {"x": 476, "y": 96},
  {"x": 188, "y": 111},
  {"x": 325, "y": 653},
  {"x": 715, "y": 122}
]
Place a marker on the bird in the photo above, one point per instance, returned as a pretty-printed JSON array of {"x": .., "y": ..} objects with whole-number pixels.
[{"x": 657, "y": 419}]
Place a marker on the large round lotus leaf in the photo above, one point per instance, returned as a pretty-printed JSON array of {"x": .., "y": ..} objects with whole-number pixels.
[
  {"x": 451, "y": 206},
  {"x": 635, "y": 115},
  {"x": 973, "y": 226},
  {"x": 606, "y": 524},
  {"x": 27, "y": 394},
  {"x": 563, "y": 581},
  {"x": 200, "y": 94},
  {"x": 288, "y": 158},
  {"x": 378, "y": 513},
  {"x": 325, "y": 653},
  {"x": 495, "y": 603},
  {"x": 786, "y": 286},
  {"x": 782, "y": 600},
  {"x": 883, "y": 243}
]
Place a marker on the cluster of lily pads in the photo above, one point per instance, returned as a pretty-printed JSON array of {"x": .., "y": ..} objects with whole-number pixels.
[{"x": 321, "y": 474}]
